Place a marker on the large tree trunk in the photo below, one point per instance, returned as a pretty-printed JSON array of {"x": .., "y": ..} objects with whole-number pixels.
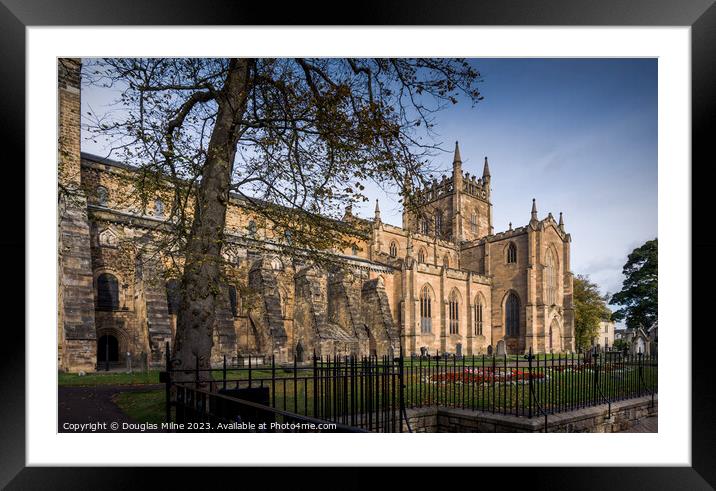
[{"x": 201, "y": 282}]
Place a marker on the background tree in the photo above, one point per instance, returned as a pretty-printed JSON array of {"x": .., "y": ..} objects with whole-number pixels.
[
  {"x": 639, "y": 294},
  {"x": 296, "y": 139},
  {"x": 589, "y": 309}
]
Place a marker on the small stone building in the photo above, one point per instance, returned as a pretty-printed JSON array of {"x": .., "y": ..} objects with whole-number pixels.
[{"x": 442, "y": 282}]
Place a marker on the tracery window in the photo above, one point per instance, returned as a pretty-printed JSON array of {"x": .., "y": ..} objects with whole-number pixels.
[
  {"x": 512, "y": 315},
  {"x": 511, "y": 253},
  {"x": 550, "y": 279},
  {"x": 393, "y": 249},
  {"x": 426, "y": 317},
  {"x": 107, "y": 292},
  {"x": 477, "y": 316},
  {"x": 454, "y": 308}
]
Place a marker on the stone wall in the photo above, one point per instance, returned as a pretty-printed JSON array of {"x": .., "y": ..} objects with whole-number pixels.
[
  {"x": 625, "y": 415},
  {"x": 76, "y": 301}
]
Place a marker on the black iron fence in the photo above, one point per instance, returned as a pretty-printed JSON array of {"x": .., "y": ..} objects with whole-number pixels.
[
  {"x": 528, "y": 385},
  {"x": 373, "y": 393}
]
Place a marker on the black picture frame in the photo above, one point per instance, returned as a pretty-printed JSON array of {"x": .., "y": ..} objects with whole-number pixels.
[{"x": 16, "y": 15}]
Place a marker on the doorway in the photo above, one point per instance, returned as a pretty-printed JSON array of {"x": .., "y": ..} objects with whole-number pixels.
[{"x": 107, "y": 349}]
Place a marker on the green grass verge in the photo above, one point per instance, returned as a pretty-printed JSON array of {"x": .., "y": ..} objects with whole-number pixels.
[
  {"x": 108, "y": 378},
  {"x": 142, "y": 406}
]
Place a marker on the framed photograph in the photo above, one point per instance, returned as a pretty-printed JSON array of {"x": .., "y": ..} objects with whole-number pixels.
[{"x": 437, "y": 227}]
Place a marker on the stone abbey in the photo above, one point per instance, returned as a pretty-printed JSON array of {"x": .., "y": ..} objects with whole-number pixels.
[{"x": 444, "y": 282}]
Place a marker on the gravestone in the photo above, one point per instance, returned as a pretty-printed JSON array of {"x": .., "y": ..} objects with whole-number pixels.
[
  {"x": 489, "y": 350},
  {"x": 458, "y": 349},
  {"x": 423, "y": 351},
  {"x": 501, "y": 348}
]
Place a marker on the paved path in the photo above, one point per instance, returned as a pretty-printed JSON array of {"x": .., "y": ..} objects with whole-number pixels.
[{"x": 82, "y": 405}]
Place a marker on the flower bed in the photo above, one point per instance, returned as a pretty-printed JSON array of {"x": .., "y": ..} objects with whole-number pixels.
[{"x": 485, "y": 376}]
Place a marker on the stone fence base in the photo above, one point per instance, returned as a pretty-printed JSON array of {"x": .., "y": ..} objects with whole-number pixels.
[{"x": 624, "y": 416}]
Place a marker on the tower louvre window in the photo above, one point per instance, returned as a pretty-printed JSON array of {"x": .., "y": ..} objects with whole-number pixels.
[{"x": 473, "y": 223}]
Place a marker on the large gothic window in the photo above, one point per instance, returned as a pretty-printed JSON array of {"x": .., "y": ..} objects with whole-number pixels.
[
  {"x": 173, "y": 296},
  {"x": 511, "y": 253},
  {"x": 107, "y": 292},
  {"x": 454, "y": 308},
  {"x": 550, "y": 279},
  {"x": 426, "y": 317},
  {"x": 393, "y": 249},
  {"x": 512, "y": 315},
  {"x": 438, "y": 222},
  {"x": 477, "y": 316}
]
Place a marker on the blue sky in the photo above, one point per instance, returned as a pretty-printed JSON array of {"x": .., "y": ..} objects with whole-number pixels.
[{"x": 579, "y": 135}]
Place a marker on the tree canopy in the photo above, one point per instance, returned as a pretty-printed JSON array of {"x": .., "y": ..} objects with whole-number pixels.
[
  {"x": 296, "y": 139},
  {"x": 638, "y": 297},
  {"x": 590, "y": 308}
]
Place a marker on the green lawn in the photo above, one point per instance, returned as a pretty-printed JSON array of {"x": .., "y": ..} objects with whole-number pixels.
[
  {"x": 108, "y": 378},
  {"x": 562, "y": 391},
  {"x": 144, "y": 406}
]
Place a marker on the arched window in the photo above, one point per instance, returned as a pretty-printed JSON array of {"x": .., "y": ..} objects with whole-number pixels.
[
  {"x": 158, "y": 208},
  {"x": 173, "y": 296},
  {"x": 234, "y": 300},
  {"x": 424, "y": 226},
  {"x": 438, "y": 222},
  {"x": 102, "y": 196},
  {"x": 426, "y": 316},
  {"x": 473, "y": 222},
  {"x": 446, "y": 260},
  {"x": 512, "y": 315},
  {"x": 454, "y": 307},
  {"x": 107, "y": 292},
  {"x": 354, "y": 250},
  {"x": 550, "y": 272},
  {"x": 477, "y": 315},
  {"x": 511, "y": 253},
  {"x": 393, "y": 249},
  {"x": 421, "y": 256},
  {"x": 276, "y": 264}
]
